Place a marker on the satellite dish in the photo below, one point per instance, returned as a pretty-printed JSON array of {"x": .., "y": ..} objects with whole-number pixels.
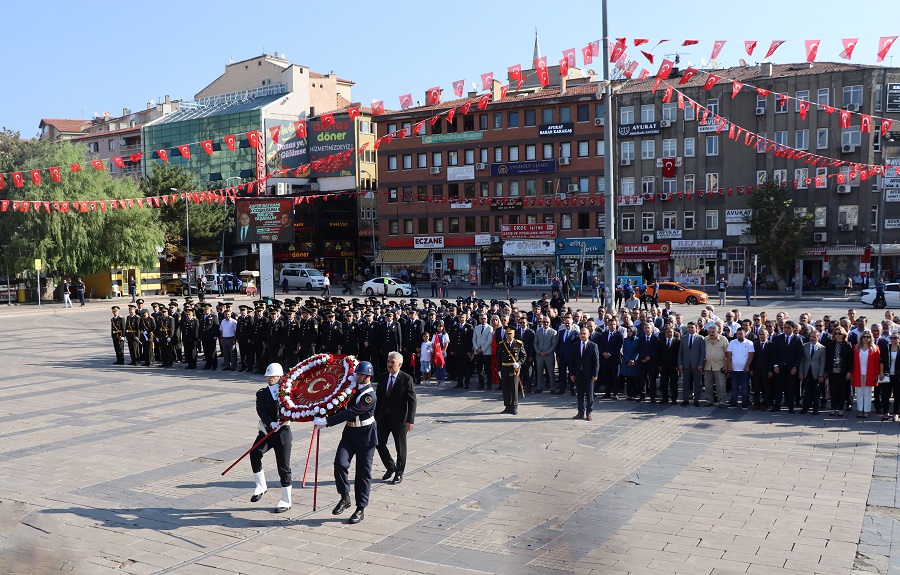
[
  {"x": 714, "y": 64},
  {"x": 703, "y": 62},
  {"x": 591, "y": 72},
  {"x": 474, "y": 86},
  {"x": 152, "y": 102},
  {"x": 690, "y": 63},
  {"x": 743, "y": 62}
]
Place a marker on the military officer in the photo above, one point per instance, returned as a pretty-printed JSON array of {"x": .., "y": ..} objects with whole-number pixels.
[
  {"x": 274, "y": 330},
  {"x": 209, "y": 333},
  {"x": 369, "y": 339},
  {"x": 461, "y": 350},
  {"x": 155, "y": 314},
  {"x": 165, "y": 329},
  {"x": 117, "y": 332},
  {"x": 176, "y": 335},
  {"x": 268, "y": 409},
  {"x": 145, "y": 336},
  {"x": 510, "y": 356},
  {"x": 260, "y": 328},
  {"x": 309, "y": 334},
  {"x": 132, "y": 328},
  {"x": 291, "y": 339},
  {"x": 245, "y": 337},
  {"x": 330, "y": 335},
  {"x": 190, "y": 337},
  {"x": 350, "y": 334},
  {"x": 358, "y": 440}
]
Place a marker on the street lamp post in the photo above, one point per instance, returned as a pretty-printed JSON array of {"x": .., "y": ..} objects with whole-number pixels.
[
  {"x": 187, "y": 230},
  {"x": 608, "y": 171}
]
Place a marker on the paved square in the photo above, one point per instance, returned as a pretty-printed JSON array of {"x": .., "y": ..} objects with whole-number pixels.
[{"x": 117, "y": 469}]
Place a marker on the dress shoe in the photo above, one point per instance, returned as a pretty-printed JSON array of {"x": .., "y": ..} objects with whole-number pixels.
[
  {"x": 458, "y": 386},
  {"x": 653, "y": 400},
  {"x": 397, "y": 479},
  {"x": 579, "y": 415},
  {"x": 538, "y": 390},
  {"x": 790, "y": 410},
  {"x": 554, "y": 392},
  {"x": 357, "y": 516},
  {"x": 684, "y": 403},
  {"x": 588, "y": 417},
  {"x": 514, "y": 412},
  {"x": 342, "y": 505},
  {"x": 696, "y": 404},
  {"x": 387, "y": 474},
  {"x": 776, "y": 408},
  {"x": 804, "y": 410},
  {"x": 480, "y": 386}
]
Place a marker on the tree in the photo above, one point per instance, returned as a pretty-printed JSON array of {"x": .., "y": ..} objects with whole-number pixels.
[
  {"x": 74, "y": 242},
  {"x": 781, "y": 232},
  {"x": 207, "y": 220}
]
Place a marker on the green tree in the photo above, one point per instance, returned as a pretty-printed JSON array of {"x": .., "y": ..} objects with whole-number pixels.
[
  {"x": 74, "y": 242},
  {"x": 781, "y": 233},
  {"x": 207, "y": 219}
]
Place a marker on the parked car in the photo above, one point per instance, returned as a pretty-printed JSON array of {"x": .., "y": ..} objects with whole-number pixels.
[
  {"x": 177, "y": 286},
  {"x": 395, "y": 286},
  {"x": 303, "y": 278},
  {"x": 891, "y": 295},
  {"x": 677, "y": 293}
]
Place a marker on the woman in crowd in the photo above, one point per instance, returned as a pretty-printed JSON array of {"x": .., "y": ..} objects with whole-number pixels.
[
  {"x": 890, "y": 383},
  {"x": 439, "y": 344},
  {"x": 866, "y": 372},
  {"x": 838, "y": 369}
]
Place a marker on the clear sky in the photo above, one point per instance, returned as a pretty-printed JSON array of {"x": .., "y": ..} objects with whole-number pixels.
[{"x": 64, "y": 59}]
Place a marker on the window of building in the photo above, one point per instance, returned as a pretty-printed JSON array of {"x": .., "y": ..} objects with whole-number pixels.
[
  {"x": 407, "y": 161},
  {"x": 848, "y": 215},
  {"x": 421, "y": 160},
  {"x": 392, "y": 195},
  {"x": 648, "y": 185},
  {"x": 548, "y": 151},
  {"x": 565, "y": 221},
  {"x": 670, "y": 112},
  {"x": 761, "y": 176},
  {"x": 530, "y": 152},
  {"x": 689, "y": 183},
  {"x": 690, "y": 220},
  {"x": 648, "y": 149},
  {"x": 483, "y": 154},
  {"x": 530, "y": 118},
  {"x": 820, "y": 216},
  {"x": 648, "y": 113},
  {"x": 876, "y": 137},
  {"x": 779, "y": 176},
  {"x": 689, "y": 150},
  {"x": 781, "y": 105},
  {"x": 800, "y": 177},
  {"x": 670, "y": 148},
  {"x": 879, "y": 94},
  {"x": 422, "y": 193},
  {"x": 822, "y": 138},
  {"x": 601, "y": 148},
  {"x": 482, "y": 122},
  {"x": 530, "y": 187},
  {"x": 391, "y": 128},
  {"x": 452, "y": 158},
  {"x": 801, "y": 139},
  {"x": 626, "y": 115},
  {"x": 712, "y": 181},
  {"x": 111, "y": 145},
  {"x": 713, "y": 106},
  {"x": 761, "y": 102},
  {"x": 512, "y": 119},
  {"x": 648, "y": 221},
  {"x": 823, "y": 96},
  {"x": 852, "y": 95},
  {"x": 800, "y": 95},
  {"x": 821, "y": 180},
  {"x": 712, "y": 219},
  {"x": 498, "y": 120},
  {"x": 407, "y": 193},
  {"x": 469, "y": 223},
  {"x": 584, "y": 221},
  {"x": 485, "y": 223},
  {"x": 437, "y": 128},
  {"x": 498, "y": 224},
  {"x": 437, "y": 160},
  {"x": 548, "y": 187},
  {"x": 627, "y": 221},
  {"x": 689, "y": 112},
  {"x": 514, "y": 153},
  {"x": 669, "y": 185},
  {"x": 761, "y": 143},
  {"x": 485, "y": 189},
  {"x": 437, "y": 190},
  {"x": 469, "y": 189},
  {"x": 547, "y": 116},
  {"x": 712, "y": 145},
  {"x": 851, "y": 137},
  {"x": 583, "y": 113},
  {"x": 626, "y": 187},
  {"x": 565, "y": 150},
  {"x": 453, "y": 225},
  {"x": 514, "y": 188},
  {"x": 565, "y": 114},
  {"x": 599, "y": 111},
  {"x": 423, "y": 225},
  {"x": 438, "y": 225},
  {"x": 498, "y": 189},
  {"x": 874, "y": 221},
  {"x": 394, "y": 227},
  {"x": 601, "y": 221},
  {"x": 670, "y": 220},
  {"x": 498, "y": 154},
  {"x": 469, "y": 157},
  {"x": 392, "y": 163},
  {"x": 781, "y": 138},
  {"x": 601, "y": 184},
  {"x": 584, "y": 149}
]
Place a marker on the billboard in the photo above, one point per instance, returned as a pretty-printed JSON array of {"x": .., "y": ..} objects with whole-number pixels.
[
  {"x": 289, "y": 152},
  {"x": 264, "y": 220},
  {"x": 325, "y": 141}
]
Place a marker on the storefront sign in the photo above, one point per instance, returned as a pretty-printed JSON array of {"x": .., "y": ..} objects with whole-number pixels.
[
  {"x": 892, "y": 195},
  {"x": 642, "y": 249},
  {"x": 528, "y": 231},
  {"x": 289, "y": 152},
  {"x": 473, "y": 275},
  {"x": 564, "y": 129},
  {"x": 514, "y": 168},
  {"x": 697, "y": 244},
  {"x": 689, "y": 279},
  {"x": 893, "y": 98},
  {"x": 668, "y": 234},
  {"x": 455, "y": 137},
  {"x": 492, "y": 253},
  {"x": 892, "y": 224},
  {"x": 428, "y": 242},
  {"x": 529, "y": 248},
  {"x": 461, "y": 205},
  {"x": 501, "y": 204},
  {"x": 482, "y": 239},
  {"x": 648, "y": 129},
  {"x": 460, "y": 173},
  {"x": 578, "y": 246},
  {"x": 738, "y": 216},
  {"x": 327, "y": 141},
  {"x": 736, "y": 229},
  {"x": 710, "y": 125}
]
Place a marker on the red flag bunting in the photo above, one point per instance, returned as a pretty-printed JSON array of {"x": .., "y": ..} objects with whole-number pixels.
[
  {"x": 690, "y": 42},
  {"x": 75, "y": 168},
  {"x": 803, "y": 108},
  {"x": 849, "y": 45},
  {"x": 231, "y": 142},
  {"x": 406, "y": 101},
  {"x": 595, "y": 47},
  {"x": 564, "y": 67},
  {"x": 667, "y": 97},
  {"x": 136, "y": 158},
  {"x": 55, "y": 175},
  {"x": 515, "y": 72},
  {"x": 865, "y": 123},
  {"x": 629, "y": 70},
  {"x": 569, "y": 57},
  {"x": 434, "y": 96},
  {"x": 845, "y": 119},
  {"x": 487, "y": 80},
  {"x": 885, "y": 126},
  {"x": 300, "y": 128},
  {"x": 749, "y": 46},
  {"x": 119, "y": 162},
  {"x": 648, "y": 56},
  {"x": 465, "y": 108},
  {"x": 645, "y": 73},
  {"x": 98, "y": 165},
  {"x": 680, "y": 101},
  {"x": 711, "y": 81},
  {"x": 735, "y": 88},
  {"x": 505, "y": 89},
  {"x": 185, "y": 151},
  {"x": 688, "y": 74},
  {"x": 543, "y": 77},
  {"x": 483, "y": 101},
  {"x": 772, "y": 47},
  {"x": 540, "y": 64},
  {"x": 665, "y": 68},
  {"x": 717, "y": 47},
  {"x": 587, "y": 54},
  {"x": 377, "y": 108},
  {"x": 617, "y": 51},
  {"x": 763, "y": 93},
  {"x": 252, "y": 138},
  {"x": 450, "y": 113},
  {"x": 274, "y": 134},
  {"x": 812, "y": 49},
  {"x": 327, "y": 120},
  {"x": 884, "y": 46},
  {"x": 828, "y": 109},
  {"x": 642, "y": 41},
  {"x": 458, "y": 87},
  {"x": 208, "y": 147},
  {"x": 36, "y": 177}
]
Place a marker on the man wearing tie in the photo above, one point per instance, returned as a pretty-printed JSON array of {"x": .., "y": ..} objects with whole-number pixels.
[
  {"x": 526, "y": 335},
  {"x": 568, "y": 337},
  {"x": 482, "y": 340},
  {"x": 669, "y": 347},
  {"x": 691, "y": 357},
  {"x": 761, "y": 371},
  {"x": 812, "y": 369},
  {"x": 395, "y": 414},
  {"x": 788, "y": 354},
  {"x": 584, "y": 365},
  {"x": 545, "y": 341},
  {"x": 244, "y": 233},
  {"x": 610, "y": 347},
  {"x": 648, "y": 358}
]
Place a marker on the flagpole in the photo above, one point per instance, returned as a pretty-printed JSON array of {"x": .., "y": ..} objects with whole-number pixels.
[{"x": 608, "y": 170}]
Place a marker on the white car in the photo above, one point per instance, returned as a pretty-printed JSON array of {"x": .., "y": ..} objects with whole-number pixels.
[
  {"x": 394, "y": 287},
  {"x": 302, "y": 278},
  {"x": 891, "y": 295}
]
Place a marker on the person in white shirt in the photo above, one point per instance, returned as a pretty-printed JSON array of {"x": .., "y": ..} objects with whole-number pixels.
[
  {"x": 482, "y": 340},
  {"x": 425, "y": 351},
  {"x": 738, "y": 358},
  {"x": 227, "y": 332}
]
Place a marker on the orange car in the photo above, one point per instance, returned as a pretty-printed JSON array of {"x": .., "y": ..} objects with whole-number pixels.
[{"x": 677, "y": 293}]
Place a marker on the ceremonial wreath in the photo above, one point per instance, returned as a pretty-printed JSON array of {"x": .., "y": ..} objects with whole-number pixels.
[{"x": 317, "y": 386}]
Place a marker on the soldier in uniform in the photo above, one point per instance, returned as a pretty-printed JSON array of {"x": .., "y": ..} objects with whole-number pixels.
[
  {"x": 309, "y": 334},
  {"x": 176, "y": 335},
  {"x": 369, "y": 339},
  {"x": 330, "y": 335},
  {"x": 510, "y": 356},
  {"x": 165, "y": 329},
  {"x": 117, "y": 332},
  {"x": 260, "y": 327},
  {"x": 245, "y": 338},
  {"x": 274, "y": 330},
  {"x": 291, "y": 339},
  {"x": 155, "y": 314},
  {"x": 145, "y": 336},
  {"x": 391, "y": 338},
  {"x": 412, "y": 341},
  {"x": 349, "y": 334},
  {"x": 358, "y": 440},
  {"x": 209, "y": 333},
  {"x": 268, "y": 409},
  {"x": 461, "y": 350},
  {"x": 190, "y": 337},
  {"x": 132, "y": 327}
]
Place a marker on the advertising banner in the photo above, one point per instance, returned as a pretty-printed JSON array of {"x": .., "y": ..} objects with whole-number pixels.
[
  {"x": 264, "y": 220},
  {"x": 289, "y": 152},
  {"x": 325, "y": 141}
]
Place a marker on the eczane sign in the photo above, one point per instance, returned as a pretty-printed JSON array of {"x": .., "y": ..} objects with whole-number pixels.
[{"x": 428, "y": 242}]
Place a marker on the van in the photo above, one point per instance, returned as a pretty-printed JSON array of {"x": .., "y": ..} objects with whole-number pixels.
[{"x": 302, "y": 278}]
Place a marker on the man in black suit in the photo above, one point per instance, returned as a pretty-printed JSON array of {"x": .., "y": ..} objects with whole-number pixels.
[
  {"x": 395, "y": 414},
  {"x": 610, "y": 345},
  {"x": 647, "y": 351},
  {"x": 669, "y": 346},
  {"x": 209, "y": 332},
  {"x": 525, "y": 334},
  {"x": 788, "y": 354},
  {"x": 761, "y": 370},
  {"x": 584, "y": 366}
]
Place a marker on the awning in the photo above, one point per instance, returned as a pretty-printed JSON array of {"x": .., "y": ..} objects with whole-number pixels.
[
  {"x": 636, "y": 259},
  {"x": 402, "y": 256},
  {"x": 703, "y": 254}
]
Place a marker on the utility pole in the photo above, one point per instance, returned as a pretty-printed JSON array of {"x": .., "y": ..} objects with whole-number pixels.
[{"x": 608, "y": 172}]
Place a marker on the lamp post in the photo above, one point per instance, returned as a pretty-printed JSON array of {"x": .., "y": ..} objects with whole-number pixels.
[
  {"x": 880, "y": 273},
  {"x": 187, "y": 230},
  {"x": 372, "y": 222},
  {"x": 608, "y": 171},
  {"x": 6, "y": 272}
]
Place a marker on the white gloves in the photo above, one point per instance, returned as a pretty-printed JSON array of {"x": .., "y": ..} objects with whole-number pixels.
[
  {"x": 516, "y": 365},
  {"x": 500, "y": 374},
  {"x": 169, "y": 339},
  {"x": 320, "y": 422},
  {"x": 274, "y": 425}
]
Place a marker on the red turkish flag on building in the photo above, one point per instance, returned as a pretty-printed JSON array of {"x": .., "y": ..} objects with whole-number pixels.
[
  {"x": 4, "y": 205},
  {"x": 515, "y": 72},
  {"x": 377, "y": 108},
  {"x": 465, "y": 108},
  {"x": 458, "y": 88},
  {"x": 434, "y": 96},
  {"x": 645, "y": 73},
  {"x": 845, "y": 119},
  {"x": 136, "y": 158},
  {"x": 540, "y": 64},
  {"x": 782, "y": 99},
  {"x": 450, "y": 113},
  {"x": 483, "y": 101},
  {"x": 503, "y": 91},
  {"x": 772, "y": 47},
  {"x": 665, "y": 68},
  {"x": 812, "y": 48},
  {"x": 406, "y": 101},
  {"x": 564, "y": 68},
  {"x": 803, "y": 108},
  {"x": 207, "y": 146},
  {"x": 828, "y": 109},
  {"x": 231, "y": 142},
  {"x": 36, "y": 177},
  {"x": 688, "y": 74},
  {"x": 865, "y": 123},
  {"x": 884, "y": 46},
  {"x": 569, "y": 57},
  {"x": 2, "y": 182},
  {"x": 543, "y": 77},
  {"x": 849, "y": 45},
  {"x": 886, "y": 125},
  {"x": 275, "y": 133},
  {"x": 253, "y": 138},
  {"x": 595, "y": 47},
  {"x": 75, "y": 168},
  {"x": 749, "y": 46},
  {"x": 668, "y": 167},
  {"x": 763, "y": 93},
  {"x": 840, "y": 178},
  {"x": 629, "y": 70},
  {"x": 55, "y": 174},
  {"x": 736, "y": 88},
  {"x": 711, "y": 81},
  {"x": 587, "y": 54},
  {"x": 163, "y": 155},
  {"x": 717, "y": 47},
  {"x": 327, "y": 120},
  {"x": 119, "y": 162},
  {"x": 185, "y": 151},
  {"x": 98, "y": 165},
  {"x": 667, "y": 97},
  {"x": 353, "y": 111},
  {"x": 487, "y": 80}
]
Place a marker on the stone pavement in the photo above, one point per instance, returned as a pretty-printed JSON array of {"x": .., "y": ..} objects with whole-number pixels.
[{"x": 117, "y": 469}]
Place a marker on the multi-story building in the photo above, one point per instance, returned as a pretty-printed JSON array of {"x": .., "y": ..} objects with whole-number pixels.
[
  {"x": 690, "y": 219},
  {"x": 514, "y": 186},
  {"x": 58, "y": 129}
]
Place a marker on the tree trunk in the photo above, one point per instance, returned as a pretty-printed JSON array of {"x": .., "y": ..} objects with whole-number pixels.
[{"x": 779, "y": 281}]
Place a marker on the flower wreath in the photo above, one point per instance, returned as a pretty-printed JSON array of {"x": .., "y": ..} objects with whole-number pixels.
[{"x": 297, "y": 406}]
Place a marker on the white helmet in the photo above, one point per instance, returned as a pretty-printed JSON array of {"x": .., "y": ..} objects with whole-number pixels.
[{"x": 274, "y": 370}]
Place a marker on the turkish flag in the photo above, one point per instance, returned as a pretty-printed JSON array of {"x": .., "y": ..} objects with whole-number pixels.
[
  {"x": 772, "y": 47},
  {"x": 645, "y": 73},
  {"x": 629, "y": 70},
  {"x": 564, "y": 67},
  {"x": 711, "y": 81},
  {"x": 55, "y": 175},
  {"x": 667, "y": 97},
  {"x": 402, "y": 133},
  {"x": 668, "y": 167},
  {"x": 820, "y": 182},
  {"x": 569, "y": 57},
  {"x": 98, "y": 165},
  {"x": 865, "y": 123},
  {"x": 185, "y": 151},
  {"x": 665, "y": 68},
  {"x": 540, "y": 64},
  {"x": 812, "y": 48},
  {"x": 406, "y": 101},
  {"x": 450, "y": 113},
  {"x": 595, "y": 47},
  {"x": 458, "y": 87},
  {"x": 828, "y": 109},
  {"x": 849, "y": 45},
  {"x": 163, "y": 155},
  {"x": 353, "y": 112},
  {"x": 717, "y": 47},
  {"x": 465, "y": 108},
  {"x": 763, "y": 93},
  {"x": 886, "y": 125},
  {"x": 690, "y": 42},
  {"x": 75, "y": 168},
  {"x": 417, "y": 130},
  {"x": 275, "y": 133},
  {"x": 230, "y": 141},
  {"x": 483, "y": 101},
  {"x": 434, "y": 96},
  {"x": 253, "y": 137},
  {"x": 688, "y": 74},
  {"x": 803, "y": 108},
  {"x": 840, "y": 178},
  {"x": 587, "y": 54},
  {"x": 749, "y": 46},
  {"x": 648, "y": 56},
  {"x": 207, "y": 146},
  {"x": 680, "y": 101},
  {"x": 135, "y": 158},
  {"x": 543, "y": 77},
  {"x": 503, "y": 91},
  {"x": 515, "y": 72},
  {"x": 64, "y": 207},
  {"x": 487, "y": 80},
  {"x": 300, "y": 128},
  {"x": 4, "y": 205},
  {"x": 782, "y": 99},
  {"x": 377, "y": 108},
  {"x": 327, "y": 120},
  {"x": 642, "y": 41},
  {"x": 884, "y": 45},
  {"x": 736, "y": 88},
  {"x": 845, "y": 119},
  {"x": 617, "y": 51},
  {"x": 119, "y": 162},
  {"x": 36, "y": 177}
]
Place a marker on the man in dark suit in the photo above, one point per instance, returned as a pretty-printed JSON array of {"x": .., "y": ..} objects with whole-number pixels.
[
  {"x": 190, "y": 336},
  {"x": 584, "y": 366},
  {"x": 788, "y": 354},
  {"x": 209, "y": 332},
  {"x": 395, "y": 414},
  {"x": 762, "y": 370},
  {"x": 647, "y": 351},
  {"x": 812, "y": 372},
  {"x": 525, "y": 334},
  {"x": 691, "y": 357},
  {"x": 610, "y": 344},
  {"x": 567, "y": 338},
  {"x": 669, "y": 346}
]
